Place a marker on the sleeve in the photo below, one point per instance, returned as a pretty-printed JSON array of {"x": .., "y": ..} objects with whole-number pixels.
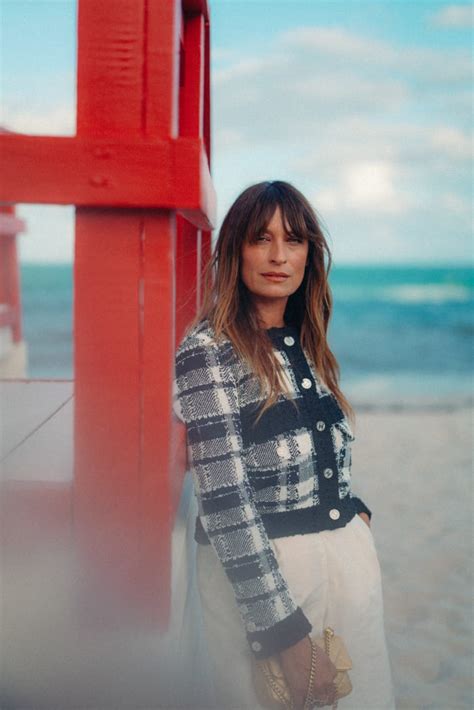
[
  {"x": 361, "y": 507},
  {"x": 206, "y": 399}
]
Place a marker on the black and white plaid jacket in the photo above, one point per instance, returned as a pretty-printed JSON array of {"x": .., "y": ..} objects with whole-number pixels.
[{"x": 288, "y": 474}]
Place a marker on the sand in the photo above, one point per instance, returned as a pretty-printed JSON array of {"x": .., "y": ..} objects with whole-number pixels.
[{"x": 413, "y": 468}]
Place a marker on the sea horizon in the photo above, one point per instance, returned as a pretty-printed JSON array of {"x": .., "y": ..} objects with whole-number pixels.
[{"x": 402, "y": 333}]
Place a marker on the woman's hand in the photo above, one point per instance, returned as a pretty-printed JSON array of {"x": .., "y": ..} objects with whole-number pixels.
[
  {"x": 296, "y": 665},
  {"x": 365, "y": 518}
]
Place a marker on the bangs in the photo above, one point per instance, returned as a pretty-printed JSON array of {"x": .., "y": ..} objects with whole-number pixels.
[{"x": 292, "y": 210}]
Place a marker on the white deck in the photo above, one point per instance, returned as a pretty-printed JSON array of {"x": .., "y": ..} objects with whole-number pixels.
[{"x": 36, "y": 422}]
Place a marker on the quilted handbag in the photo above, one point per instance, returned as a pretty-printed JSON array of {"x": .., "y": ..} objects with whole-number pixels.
[{"x": 270, "y": 683}]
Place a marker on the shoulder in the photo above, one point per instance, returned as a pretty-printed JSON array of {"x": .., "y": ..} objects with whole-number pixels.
[
  {"x": 202, "y": 343},
  {"x": 201, "y": 337}
]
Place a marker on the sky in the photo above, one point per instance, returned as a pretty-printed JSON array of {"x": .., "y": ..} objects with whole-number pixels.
[{"x": 364, "y": 105}]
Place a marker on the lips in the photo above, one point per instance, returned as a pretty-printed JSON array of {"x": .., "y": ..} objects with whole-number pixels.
[{"x": 275, "y": 275}]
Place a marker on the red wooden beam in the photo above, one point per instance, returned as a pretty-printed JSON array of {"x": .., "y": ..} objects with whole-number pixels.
[
  {"x": 10, "y": 287},
  {"x": 110, "y": 73},
  {"x": 159, "y": 476},
  {"x": 108, "y": 409},
  {"x": 161, "y": 70},
  {"x": 197, "y": 6},
  {"x": 132, "y": 150},
  {"x": 207, "y": 89},
  {"x": 160, "y": 173},
  {"x": 127, "y": 153},
  {"x": 8, "y": 315},
  {"x": 191, "y": 114},
  {"x": 10, "y": 224}
]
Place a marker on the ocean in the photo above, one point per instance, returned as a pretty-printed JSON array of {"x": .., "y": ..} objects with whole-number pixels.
[{"x": 403, "y": 335}]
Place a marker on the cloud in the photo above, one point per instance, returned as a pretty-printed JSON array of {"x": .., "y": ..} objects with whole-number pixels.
[
  {"x": 228, "y": 139},
  {"x": 453, "y": 17},
  {"x": 377, "y": 134},
  {"x": 368, "y": 186},
  {"x": 59, "y": 120},
  {"x": 352, "y": 89},
  {"x": 337, "y": 44},
  {"x": 336, "y": 47},
  {"x": 456, "y": 205},
  {"x": 451, "y": 142},
  {"x": 364, "y": 138},
  {"x": 314, "y": 76}
]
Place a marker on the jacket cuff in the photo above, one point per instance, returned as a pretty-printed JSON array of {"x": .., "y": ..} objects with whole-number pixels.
[
  {"x": 361, "y": 507},
  {"x": 280, "y": 636}
]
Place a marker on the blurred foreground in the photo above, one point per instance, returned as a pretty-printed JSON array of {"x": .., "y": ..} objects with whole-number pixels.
[{"x": 413, "y": 467}]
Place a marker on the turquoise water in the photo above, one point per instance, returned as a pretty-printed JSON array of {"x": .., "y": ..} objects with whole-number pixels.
[{"x": 401, "y": 334}]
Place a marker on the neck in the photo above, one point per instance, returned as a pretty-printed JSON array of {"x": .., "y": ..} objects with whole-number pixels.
[{"x": 271, "y": 313}]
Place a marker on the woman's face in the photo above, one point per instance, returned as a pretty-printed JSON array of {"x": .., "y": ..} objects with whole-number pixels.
[{"x": 272, "y": 267}]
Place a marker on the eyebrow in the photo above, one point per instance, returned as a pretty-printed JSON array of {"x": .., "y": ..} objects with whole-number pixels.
[{"x": 290, "y": 233}]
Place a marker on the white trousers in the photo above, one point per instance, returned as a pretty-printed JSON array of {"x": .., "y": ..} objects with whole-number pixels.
[{"x": 334, "y": 576}]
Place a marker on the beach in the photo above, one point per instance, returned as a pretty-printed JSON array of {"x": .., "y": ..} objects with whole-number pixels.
[{"x": 414, "y": 470}]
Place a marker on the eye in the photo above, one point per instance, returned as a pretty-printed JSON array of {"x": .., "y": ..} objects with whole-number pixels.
[
  {"x": 295, "y": 239},
  {"x": 261, "y": 237}
]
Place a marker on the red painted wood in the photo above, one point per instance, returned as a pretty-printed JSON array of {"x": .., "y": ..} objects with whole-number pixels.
[
  {"x": 8, "y": 316},
  {"x": 158, "y": 478},
  {"x": 206, "y": 235},
  {"x": 206, "y": 249},
  {"x": 207, "y": 90},
  {"x": 5, "y": 242},
  {"x": 187, "y": 268},
  {"x": 173, "y": 173},
  {"x": 192, "y": 93},
  {"x": 10, "y": 287},
  {"x": 164, "y": 20},
  {"x": 110, "y": 76},
  {"x": 197, "y": 6},
  {"x": 9, "y": 224},
  {"x": 143, "y": 195},
  {"x": 107, "y": 270},
  {"x": 108, "y": 419}
]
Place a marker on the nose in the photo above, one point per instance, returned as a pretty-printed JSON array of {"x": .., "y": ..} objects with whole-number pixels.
[{"x": 278, "y": 252}]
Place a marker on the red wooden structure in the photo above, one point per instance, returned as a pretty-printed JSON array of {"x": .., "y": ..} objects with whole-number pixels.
[
  {"x": 138, "y": 173},
  {"x": 10, "y": 292}
]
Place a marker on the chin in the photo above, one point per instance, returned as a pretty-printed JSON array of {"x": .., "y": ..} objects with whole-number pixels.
[{"x": 275, "y": 291}]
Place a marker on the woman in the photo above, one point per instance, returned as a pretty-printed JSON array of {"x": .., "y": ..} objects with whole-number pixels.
[{"x": 285, "y": 548}]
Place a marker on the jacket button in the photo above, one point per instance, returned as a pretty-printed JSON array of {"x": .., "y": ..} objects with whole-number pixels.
[
  {"x": 283, "y": 452},
  {"x": 334, "y": 514},
  {"x": 256, "y": 646},
  {"x": 320, "y": 426},
  {"x": 327, "y": 472},
  {"x": 306, "y": 383},
  {"x": 289, "y": 340}
]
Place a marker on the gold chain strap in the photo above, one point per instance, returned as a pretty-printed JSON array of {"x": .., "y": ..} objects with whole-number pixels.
[{"x": 308, "y": 703}]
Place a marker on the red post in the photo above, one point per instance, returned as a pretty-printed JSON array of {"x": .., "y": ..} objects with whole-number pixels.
[
  {"x": 10, "y": 291},
  {"x": 138, "y": 173}
]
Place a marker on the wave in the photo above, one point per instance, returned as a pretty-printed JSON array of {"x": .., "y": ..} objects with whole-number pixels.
[
  {"x": 427, "y": 293},
  {"x": 407, "y": 293},
  {"x": 404, "y": 390}
]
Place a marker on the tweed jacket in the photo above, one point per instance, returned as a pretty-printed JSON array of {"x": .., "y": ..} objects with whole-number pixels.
[{"x": 287, "y": 474}]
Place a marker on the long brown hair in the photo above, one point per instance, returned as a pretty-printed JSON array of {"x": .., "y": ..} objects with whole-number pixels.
[{"x": 227, "y": 303}]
